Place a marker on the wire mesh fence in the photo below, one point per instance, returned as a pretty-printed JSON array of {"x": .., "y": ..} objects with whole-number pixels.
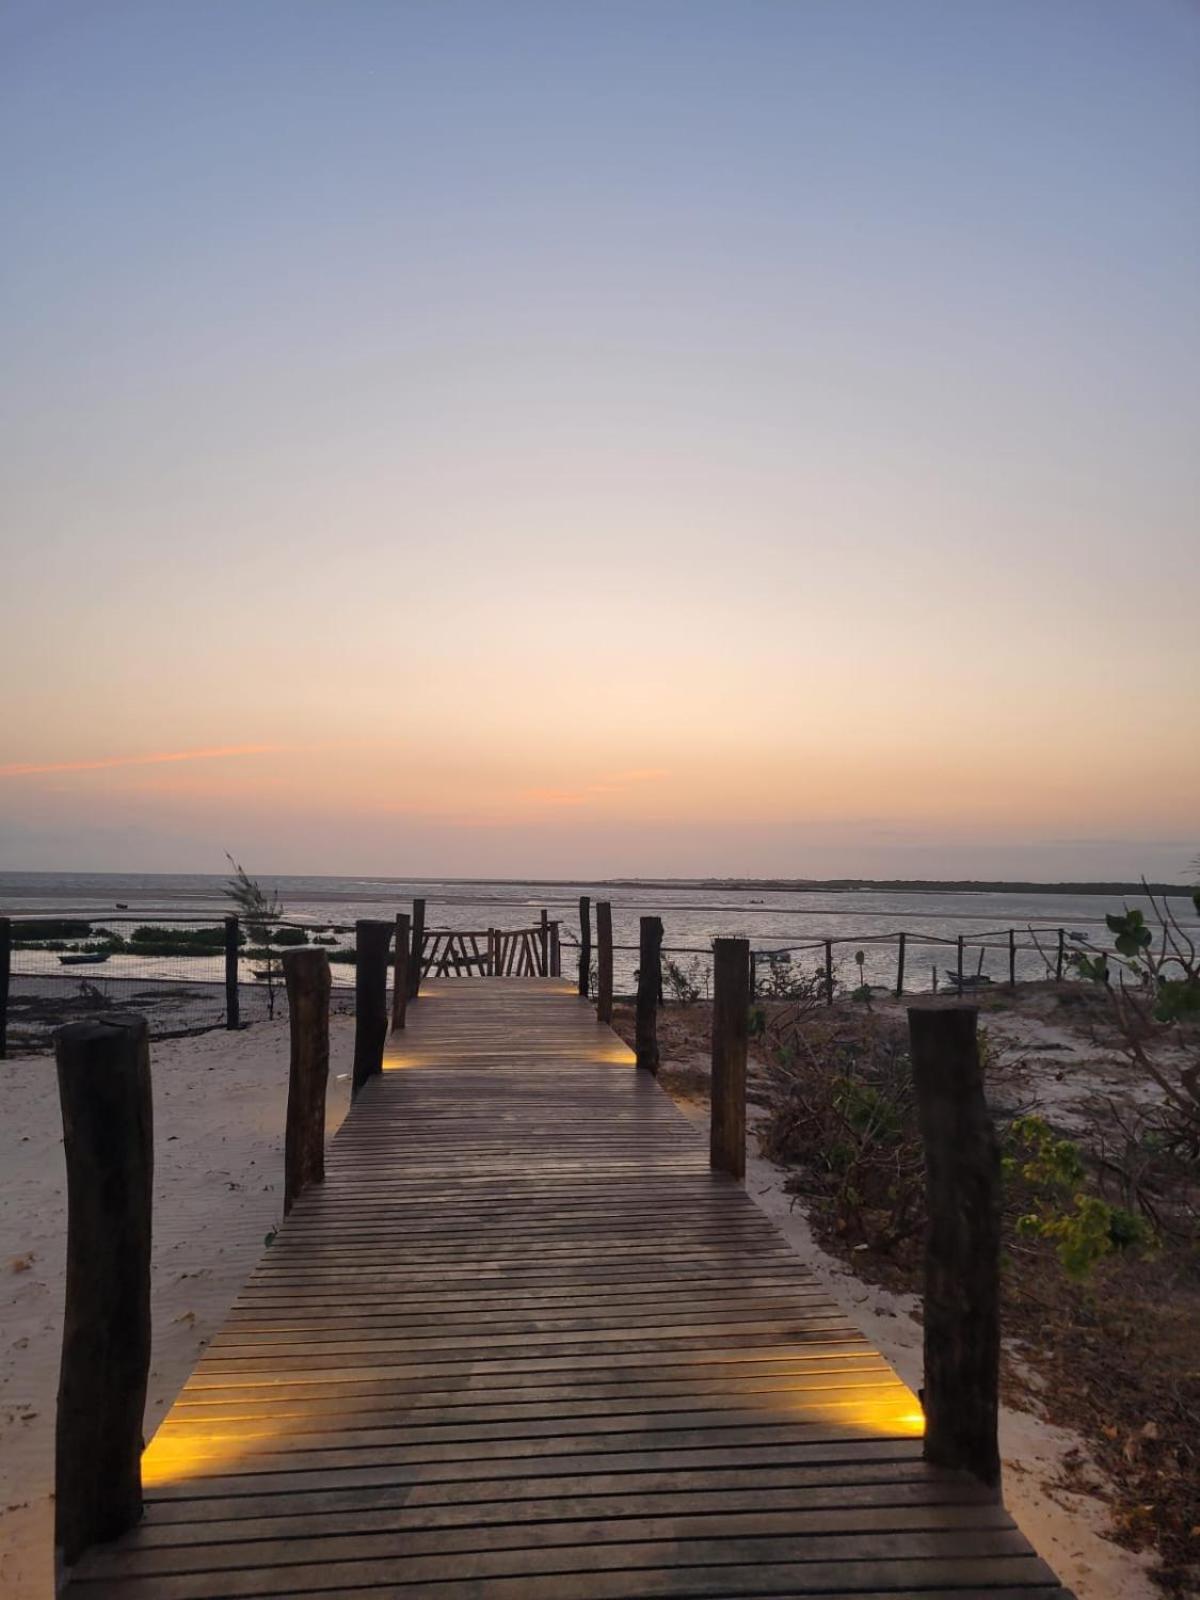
[{"x": 174, "y": 969}]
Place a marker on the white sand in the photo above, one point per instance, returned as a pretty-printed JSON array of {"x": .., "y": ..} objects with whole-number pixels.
[{"x": 219, "y": 1103}]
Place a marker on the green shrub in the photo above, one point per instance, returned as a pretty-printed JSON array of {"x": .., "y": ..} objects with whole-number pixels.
[
  {"x": 58, "y": 928},
  {"x": 1084, "y": 1227},
  {"x": 183, "y": 939}
]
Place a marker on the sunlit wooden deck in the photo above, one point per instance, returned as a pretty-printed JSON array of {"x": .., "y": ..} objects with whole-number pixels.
[{"x": 524, "y": 1345}]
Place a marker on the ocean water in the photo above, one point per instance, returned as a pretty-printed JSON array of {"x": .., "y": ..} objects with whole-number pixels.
[{"x": 693, "y": 915}]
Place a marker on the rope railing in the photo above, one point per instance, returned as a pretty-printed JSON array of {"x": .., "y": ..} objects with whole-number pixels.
[{"x": 56, "y": 964}]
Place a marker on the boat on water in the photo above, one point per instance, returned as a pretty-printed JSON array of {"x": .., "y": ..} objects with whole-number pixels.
[
  {"x": 84, "y": 958},
  {"x": 970, "y": 980}
]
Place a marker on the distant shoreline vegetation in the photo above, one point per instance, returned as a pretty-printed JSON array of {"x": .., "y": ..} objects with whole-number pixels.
[
  {"x": 902, "y": 885},
  {"x": 368, "y": 888}
]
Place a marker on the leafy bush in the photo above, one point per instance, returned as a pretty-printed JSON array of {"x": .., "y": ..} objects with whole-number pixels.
[
  {"x": 1084, "y": 1227},
  {"x": 289, "y": 936},
  {"x": 686, "y": 984},
  {"x": 1155, "y": 1005},
  {"x": 843, "y": 1107},
  {"x": 182, "y": 939},
  {"x": 26, "y": 933}
]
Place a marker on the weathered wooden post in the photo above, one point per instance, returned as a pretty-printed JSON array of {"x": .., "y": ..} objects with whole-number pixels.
[
  {"x": 730, "y": 1035},
  {"x": 555, "y": 952},
  {"x": 585, "y": 943},
  {"x": 306, "y": 977},
  {"x": 400, "y": 971},
  {"x": 371, "y": 941},
  {"x": 1058, "y": 965},
  {"x": 753, "y": 975},
  {"x": 604, "y": 961},
  {"x": 418, "y": 948},
  {"x": 233, "y": 993},
  {"x": 962, "y": 1249},
  {"x": 108, "y": 1142},
  {"x": 829, "y": 972},
  {"x": 900, "y": 967},
  {"x": 648, "y": 990},
  {"x": 544, "y": 943},
  {"x": 5, "y": 981},
  {"x": 1012, "y": 958},
  {"x": 958, "y": 973}
]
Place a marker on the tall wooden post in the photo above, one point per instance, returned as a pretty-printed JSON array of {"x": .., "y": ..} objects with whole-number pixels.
[
  {"x": 1012, "y": 958},
  {"x": 5, "y": 980},
  {"x": 829, "y": 972},
  {"x": 585, "y": 943},
  {"x": 418, "y": 948},
  {"x": 730, "y": 1035},
  {"x": 604, "y": 961},
  {"x": 900, "y": 966},
  {"x": 962, "y": 1251},
  {"x": 233, "y": 993},
  {"x": 555, "y": 952},
  {"x": 108, "y": 1142},
  {"x": 400, "y": 970},
  {"x": 306, "y": 977},
  {"x": 958, "y": 972},
  {"x": 648, "y": 990},
  {"x": 371, "y": 941},
  {"x": 544, "y": 943},
  {"x": 1062, "y": 946}
]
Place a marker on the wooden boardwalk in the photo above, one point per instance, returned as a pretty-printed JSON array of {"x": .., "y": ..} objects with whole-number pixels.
[{"x": 524, "y": 1345}]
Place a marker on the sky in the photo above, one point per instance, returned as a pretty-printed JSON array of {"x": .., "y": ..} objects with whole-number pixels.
[{"x": 650, "y": 437}]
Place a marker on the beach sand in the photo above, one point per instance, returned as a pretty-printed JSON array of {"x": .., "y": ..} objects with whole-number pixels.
[{"x": 219, "y": 1105}]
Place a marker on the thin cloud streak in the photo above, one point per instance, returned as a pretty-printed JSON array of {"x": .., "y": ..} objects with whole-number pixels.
[{"x": 23, "y": 769}]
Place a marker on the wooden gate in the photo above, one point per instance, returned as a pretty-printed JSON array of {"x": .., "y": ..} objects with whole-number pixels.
[{"x": 492, "y": 952}]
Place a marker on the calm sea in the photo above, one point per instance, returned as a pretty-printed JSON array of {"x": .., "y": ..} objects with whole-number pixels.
[{"x": 692, "y": 914}]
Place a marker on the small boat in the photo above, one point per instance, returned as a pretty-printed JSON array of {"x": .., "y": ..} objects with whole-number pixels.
[
  {"x": 970, "y": 980},
  {"x": 83, "y": 958},
  {"x": 122, "y": 905}
]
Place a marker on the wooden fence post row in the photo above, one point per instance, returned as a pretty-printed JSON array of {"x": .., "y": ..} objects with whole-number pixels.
[
  {"x": 730, "y": 1035},
  {"x": 604, "y": 961},
  {"x": 108, "y": 1142},
  {"x": 418, "y": 949},
  {"x": 400, "y": 961},
  {"x": 585, "y": 944},
  {"x": 307, "y": 979},
  {"x": 649, "y": 993},
  {"x": 233, "y": 994},
  {"x": 372, "y": 941},
  {"x": 5, "y": 978},
  {"x": 962, "y": 1252}
]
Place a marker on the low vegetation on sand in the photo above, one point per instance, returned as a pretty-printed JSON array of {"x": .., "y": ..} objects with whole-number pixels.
[{"x": 1092, "y": 1085}]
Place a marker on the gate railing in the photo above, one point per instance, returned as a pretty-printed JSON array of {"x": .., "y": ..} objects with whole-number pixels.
[{"x": 534, "y": 952}]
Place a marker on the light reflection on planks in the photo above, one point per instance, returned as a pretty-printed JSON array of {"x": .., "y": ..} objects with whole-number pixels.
[{"x": 523, "y": 1345}]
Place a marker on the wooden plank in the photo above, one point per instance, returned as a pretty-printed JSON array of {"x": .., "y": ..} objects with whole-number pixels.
[{"x": 524, "y": 1344}]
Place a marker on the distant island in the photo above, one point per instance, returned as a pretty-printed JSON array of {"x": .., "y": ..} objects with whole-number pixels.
[{"x": 903, "y": 885}]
